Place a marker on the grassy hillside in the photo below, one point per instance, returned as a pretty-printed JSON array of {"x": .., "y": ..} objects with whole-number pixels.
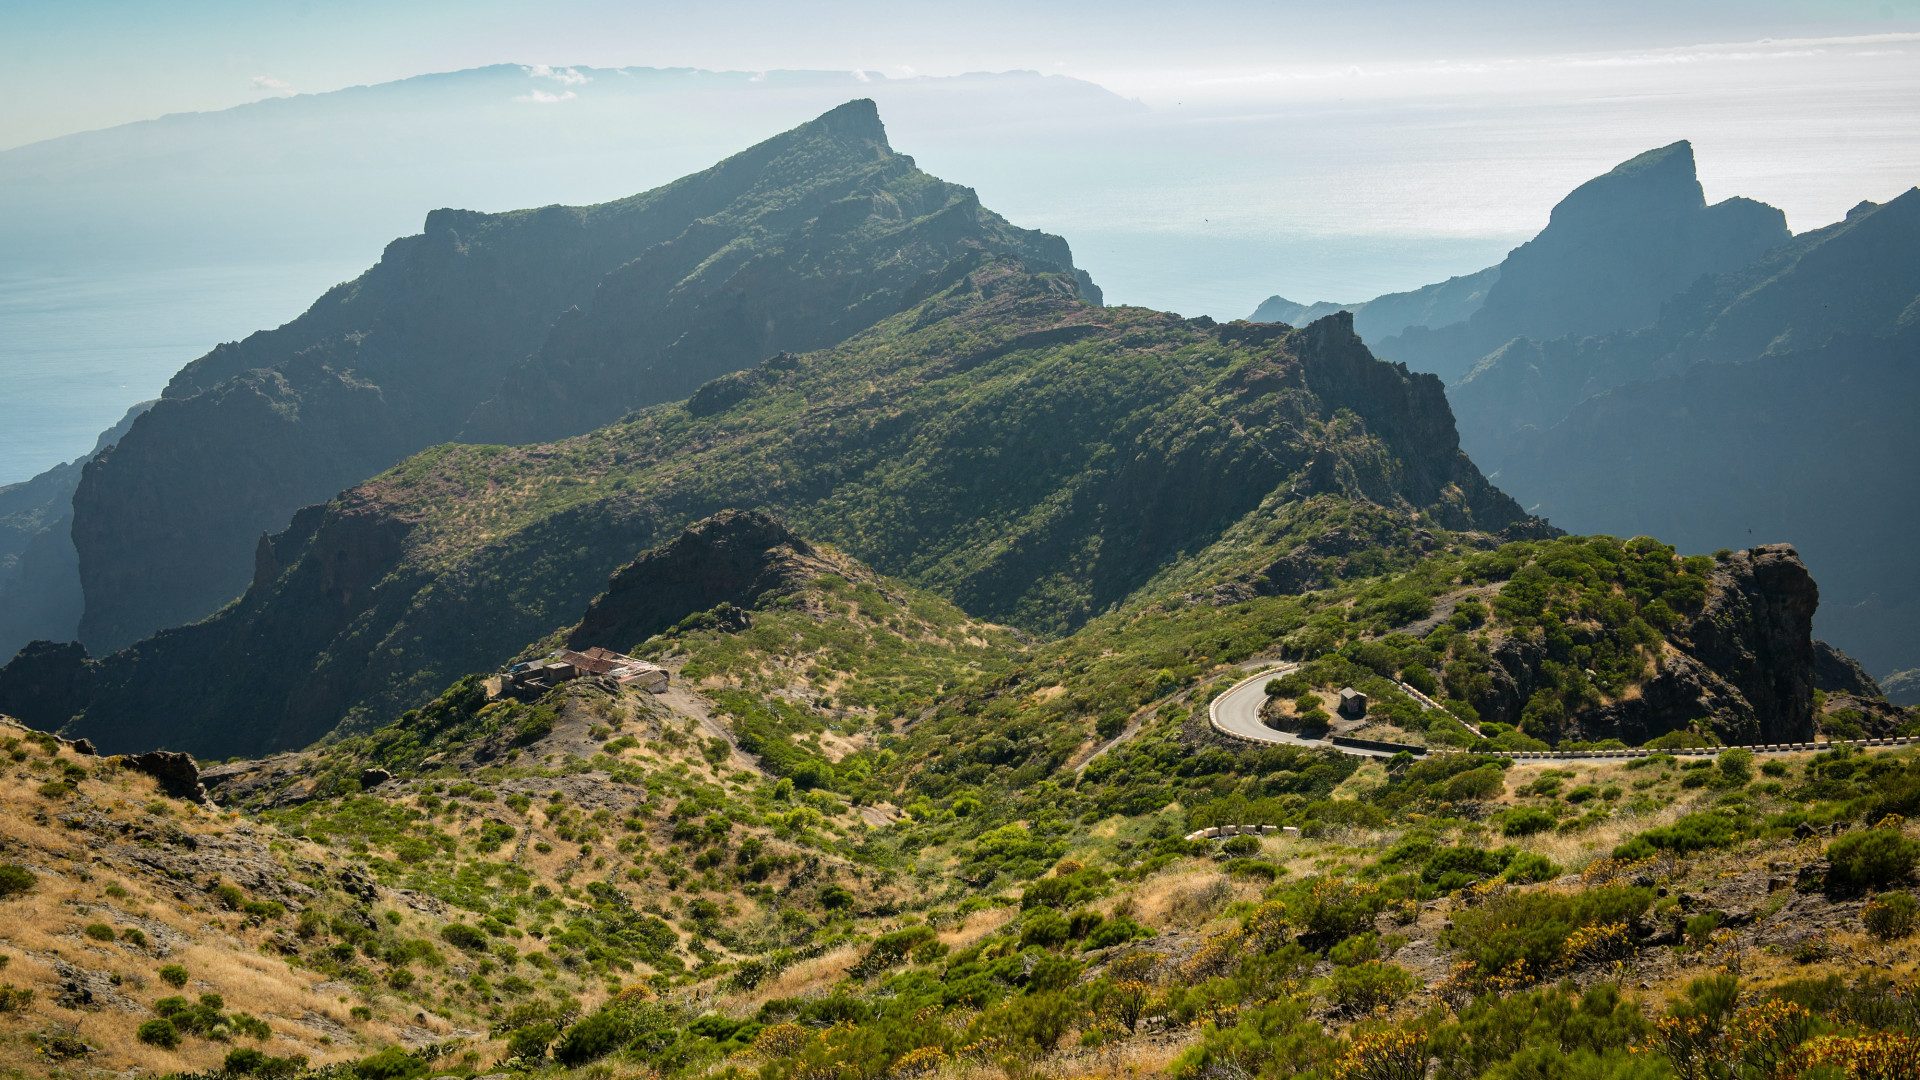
[
  {"x": 1029, "y": 457},
  {"x": 618, "y": 893}
]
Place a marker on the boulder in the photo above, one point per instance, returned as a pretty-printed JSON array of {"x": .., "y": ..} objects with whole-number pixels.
[{"x": 178, "y": 773}]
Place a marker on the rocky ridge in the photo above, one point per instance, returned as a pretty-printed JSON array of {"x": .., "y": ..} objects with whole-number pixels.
[
  {"x": 998, "y": 367},
  {"x": 516, "y": 327}
]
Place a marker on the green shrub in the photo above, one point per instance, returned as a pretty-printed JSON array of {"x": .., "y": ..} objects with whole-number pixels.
[
  {"x": 1695, "y": 832},
  {"x": 15, "y": 880},
  {"x": 531, "y": 1042},
  {"x": 133, "y": 936},
  {"x": 1116, "y": 931},
  {"x": 393, "y": 1063},
  {"x": 1534, "y": 926},
  {"x": 1241, "y": 845},
  {"x": 173, "y": 975},
  {"x": 1044, "y": 927},
  {"x": 1357, "y": 949},
  {"x": 1363, "y": 988},
  {"x": 1486, "y": 782},
  {"x": 160, "y": 1032},
  {"x": 1525, "y": 821},
  {"x": 592, "y": 1038},
  {"x": 1254, "y": 868},
  {"x": 1700, "y": 928},
  {"x": 229, "y": 896},
  {"x": 1874, "y": 859},
  {"x": 1333, "y": 909},
  {"x": 1736, "y": 765},
  {"x": 99, "y": 931},
  {"x": 1890, "y": 915},
  {"x": 537, "y": 725},
  {"x": 1528, "y": 867},
  {"x": 462, "y": 936},
  {"x": 247, "y": 1061}
]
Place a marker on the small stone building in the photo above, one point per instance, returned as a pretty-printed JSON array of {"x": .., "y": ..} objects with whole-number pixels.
[{"x": 1353, "y": 703}]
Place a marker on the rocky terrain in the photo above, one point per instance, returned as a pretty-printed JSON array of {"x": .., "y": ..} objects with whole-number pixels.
[
  {"x": 1093, "y": 445},
  {"x": 515, "y": 327},
  {"x": 1612, "y": 253},
  {"x": 39, "y": 575}
]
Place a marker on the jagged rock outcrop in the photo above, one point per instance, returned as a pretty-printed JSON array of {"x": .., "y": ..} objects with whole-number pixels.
[
  {"x": 178, "y": 773},
  {"x": 514, "y": 328},
  {"x": 1903, "y": 687},
  {"x": 1837, "y": 673},
  {"x": 1742, "y": 668},
  {"x": 1440, "y": 304},
  {"x": 46, "y": 683},
  {"x": 731, "y": 558},
  {"x": 1030, "y": 457},
  {"x": 39, "y": 570},
  {"x": 1613, "y": 250}
]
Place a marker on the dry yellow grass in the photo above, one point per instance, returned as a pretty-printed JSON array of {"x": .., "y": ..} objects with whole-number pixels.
[
  {"x": 41, "y": 930},
  {"x": 808, "y": 978},
  {"x": 977, "y": 925}
]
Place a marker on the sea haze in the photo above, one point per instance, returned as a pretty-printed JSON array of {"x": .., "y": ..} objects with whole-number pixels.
[{"x": 132, "y": 250}]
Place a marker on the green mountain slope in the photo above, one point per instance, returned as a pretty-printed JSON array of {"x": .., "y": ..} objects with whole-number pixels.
[
  {"x": 795, "y": 243},
  {"x": 1614, "y": 250},
  {"x": 1031, "y": 457},
  {"x": 1767, "y": 403}
]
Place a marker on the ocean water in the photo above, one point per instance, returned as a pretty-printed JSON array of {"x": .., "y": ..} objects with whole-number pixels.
[
  {"x": 1214, "y": 195},
  {"x": 77, "y": 351}
]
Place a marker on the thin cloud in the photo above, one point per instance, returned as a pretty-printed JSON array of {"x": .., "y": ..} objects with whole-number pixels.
[
  {"x": 264, "y": 84},
  {"x": 542, "y": 97},
  {"x": 564, "y": 76}
]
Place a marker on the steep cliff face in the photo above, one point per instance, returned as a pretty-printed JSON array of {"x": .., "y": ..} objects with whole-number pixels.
[
  {"x": 1613, "y": 250},
  {"x": 795, "y": 243},
  {"x": 46, "y": 683},
  {"x": 39, "y": 569},
  {"x": 733, "y": 557},
  {"x": 1859, "y": 277},
  {"x": 1441, "y": 304},
  {"x": 1741, "y": 669},
  {"x": 1817, "y": 446},
  {"x": 1001, "y": 442}
]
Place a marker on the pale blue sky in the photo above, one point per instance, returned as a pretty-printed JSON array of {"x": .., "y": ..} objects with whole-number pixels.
[{"x": 75, "y": 65}]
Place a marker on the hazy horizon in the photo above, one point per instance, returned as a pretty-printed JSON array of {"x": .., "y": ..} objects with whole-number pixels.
[{"x": 1197, "y": 164}]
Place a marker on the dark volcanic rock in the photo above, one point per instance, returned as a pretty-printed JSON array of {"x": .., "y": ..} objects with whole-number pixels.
[
  {"x": 178, "y": 773},
  {"x": 1613, "y": 250},
  {"x": 1747, "y": 665},
  {"x": 515, "y": 328},
  {"x": 46, "y": 683},
  {"x": 1837, "y": 673},
  {"x": 1033, "y": 488},
  {"x": 1903, "y": 687},
  {"x": 730, "y": 558},
  {"x": 1850, "y": 716}
]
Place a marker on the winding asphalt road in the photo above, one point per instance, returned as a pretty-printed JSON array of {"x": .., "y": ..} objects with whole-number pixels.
[{"x": 1237, "y": 713}]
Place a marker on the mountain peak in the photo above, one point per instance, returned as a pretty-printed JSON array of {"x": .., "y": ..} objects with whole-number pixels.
[
  {"x": 1660, "y": 181},
  {"x": 1617, "y": 246},
  {"x": 857, "y": 119}
]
